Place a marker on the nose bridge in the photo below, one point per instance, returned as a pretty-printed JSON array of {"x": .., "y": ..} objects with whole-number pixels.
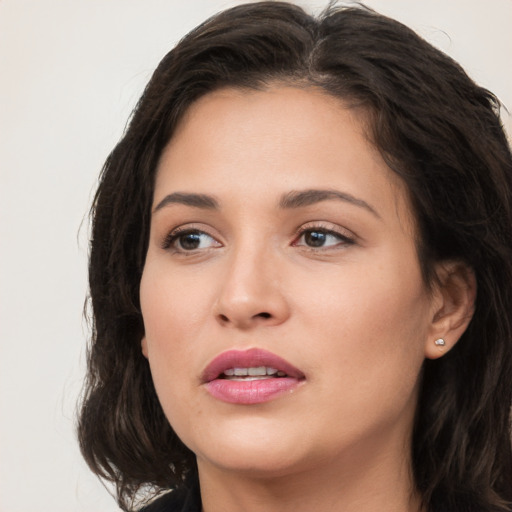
[{"x": 250, "y": 290}]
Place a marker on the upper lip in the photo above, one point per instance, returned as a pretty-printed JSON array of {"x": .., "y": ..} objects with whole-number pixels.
[{"x": 253, "y": 357}]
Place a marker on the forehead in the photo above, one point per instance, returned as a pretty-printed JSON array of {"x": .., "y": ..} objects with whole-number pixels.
[
  {"x": 300, "y": 113},
  {"x": 274, "y": 140}
]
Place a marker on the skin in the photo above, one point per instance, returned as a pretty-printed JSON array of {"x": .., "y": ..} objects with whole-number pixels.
[{"x": 354, "y": 315}]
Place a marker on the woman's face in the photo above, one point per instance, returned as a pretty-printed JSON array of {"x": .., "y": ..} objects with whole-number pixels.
[{"x": 280, "y": 241}]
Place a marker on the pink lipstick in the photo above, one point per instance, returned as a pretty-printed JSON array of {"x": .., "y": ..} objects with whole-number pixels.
[{"x": 251, "y": 376}]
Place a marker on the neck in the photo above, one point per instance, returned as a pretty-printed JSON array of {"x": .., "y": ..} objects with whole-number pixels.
[{"x": 361, "y": 482}]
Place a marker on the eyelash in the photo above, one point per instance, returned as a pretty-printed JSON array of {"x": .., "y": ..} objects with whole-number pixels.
[
  {"x": 344, "y": 239},
  {"x": 171, "y": 240}
]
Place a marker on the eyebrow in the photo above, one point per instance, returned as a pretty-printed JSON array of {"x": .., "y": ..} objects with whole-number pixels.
[
  {"x": 202, "y": 201},
  {"x": 290, "y": 200},
  {"x": 301, "y": 198}
]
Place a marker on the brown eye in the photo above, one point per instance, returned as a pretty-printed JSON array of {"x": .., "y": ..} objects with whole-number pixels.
[
  {"x": 321, "y": 238},
  {"x": 189, "y": 240},
  {"x": 315, "y": 238}
]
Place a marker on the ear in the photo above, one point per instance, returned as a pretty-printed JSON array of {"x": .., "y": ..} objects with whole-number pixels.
[
  {"x": 453, "y": 306},
  {"x": 144, "y": 346}
]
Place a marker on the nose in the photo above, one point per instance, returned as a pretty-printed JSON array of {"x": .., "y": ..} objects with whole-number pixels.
[{"x": 251, "y": 292}]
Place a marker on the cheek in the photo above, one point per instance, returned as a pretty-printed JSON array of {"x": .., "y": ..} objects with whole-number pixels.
[
  {"x": 366, "y": 352},
  {"x": 175, "y": 306},
  {"x": 167, "y": 315},
  {"x": 370, "y": 318}
]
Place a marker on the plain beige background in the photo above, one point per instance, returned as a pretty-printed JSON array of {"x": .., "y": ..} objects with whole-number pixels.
[{"x": 70, "y": 73}]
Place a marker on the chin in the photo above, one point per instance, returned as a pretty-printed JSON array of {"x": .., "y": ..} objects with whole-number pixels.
[
  {"x": 253, "y": 448},
  {"x": 260, "y": 464}
]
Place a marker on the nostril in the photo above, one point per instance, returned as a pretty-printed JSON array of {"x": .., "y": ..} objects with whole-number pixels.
[{"x": 242, "y": 319}]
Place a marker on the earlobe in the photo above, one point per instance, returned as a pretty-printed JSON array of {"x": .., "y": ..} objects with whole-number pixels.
[
  {"x": 144, "y": 347},
  {"x": 453, "y": 307}
]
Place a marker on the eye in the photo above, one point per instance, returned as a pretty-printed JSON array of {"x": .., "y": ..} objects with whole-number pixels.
[
  {"x": 320, "y": 238},
  {"x": 186, "y": 240}
]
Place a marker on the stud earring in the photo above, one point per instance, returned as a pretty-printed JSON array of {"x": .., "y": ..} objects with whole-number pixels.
[{"x": 440, "y": 342}]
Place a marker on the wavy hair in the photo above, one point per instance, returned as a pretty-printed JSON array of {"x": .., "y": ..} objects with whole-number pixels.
[{"x": 434, "y": 127}]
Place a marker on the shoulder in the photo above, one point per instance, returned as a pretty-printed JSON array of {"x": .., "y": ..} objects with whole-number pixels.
[{"x": 182, "y": 500}]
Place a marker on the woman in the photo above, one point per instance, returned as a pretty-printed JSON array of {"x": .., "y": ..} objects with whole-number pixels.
[{"x": 300, "y": 276}]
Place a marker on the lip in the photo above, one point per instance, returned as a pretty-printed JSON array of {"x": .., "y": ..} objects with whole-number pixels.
[{"x": 253, "y": 391}]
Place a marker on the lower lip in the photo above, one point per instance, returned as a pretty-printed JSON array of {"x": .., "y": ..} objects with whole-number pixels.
[{"x": 251, "y": 392}]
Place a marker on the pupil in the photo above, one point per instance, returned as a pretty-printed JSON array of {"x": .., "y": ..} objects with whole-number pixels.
[
  {"x": 315, "y": 238},
  {"x": 190, "y": 241}
]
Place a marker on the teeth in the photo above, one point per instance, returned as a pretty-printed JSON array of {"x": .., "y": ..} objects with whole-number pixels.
[
  {"x": 248, "y": 378},
  {"x": 260, "y": 370},
  {"x": 256, "y": 371}
]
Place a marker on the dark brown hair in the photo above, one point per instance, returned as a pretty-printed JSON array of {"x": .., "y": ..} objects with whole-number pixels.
[{"x": 436, "y": 128}]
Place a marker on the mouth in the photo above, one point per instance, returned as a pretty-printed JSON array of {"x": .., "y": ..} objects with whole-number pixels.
[
  {"x": 253, "y": 373},
  {"x": 250, "y": 377}
]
